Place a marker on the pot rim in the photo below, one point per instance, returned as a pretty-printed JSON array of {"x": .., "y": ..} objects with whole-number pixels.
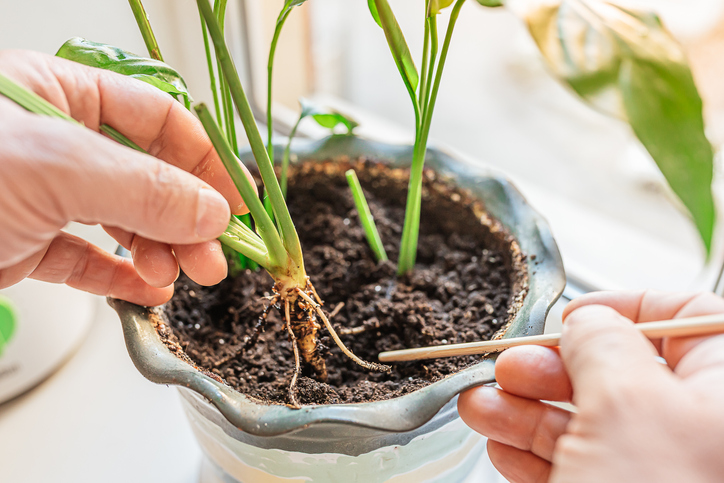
[{"x": 546, "y": 280}]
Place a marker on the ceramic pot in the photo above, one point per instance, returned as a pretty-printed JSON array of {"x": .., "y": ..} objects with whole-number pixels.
[{"x": 413, "y": 438}]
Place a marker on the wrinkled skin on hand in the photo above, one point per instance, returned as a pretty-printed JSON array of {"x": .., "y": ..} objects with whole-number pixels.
[
  {"x": 637, "y": 420},
  {"x": 167, "y": 208}
]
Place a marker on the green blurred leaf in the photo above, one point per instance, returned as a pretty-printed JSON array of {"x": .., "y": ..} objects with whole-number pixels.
[
  {"x": 373, "y": 11},
  {"x": 434, "y": 6},
  {"x": 398, "y": 45},
  {"x": 108, "y": 57},
  {"x": 665, "y": 112},
  {"x": 625, "y": 63},
  {"x": 329, "y": 120},
  {"x": 8, "y": 324},
  {"x": 491, "y": 3}
]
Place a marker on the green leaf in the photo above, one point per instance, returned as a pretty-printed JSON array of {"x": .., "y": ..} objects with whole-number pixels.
[
  {"x": 8, "y": 318},
  {"x": 435, "y": 6},
  {"x": 108, "y": 57},
  {"x": 491, "y": 3},
  {"x": 398, "y": 45},
  {"x": 373, "y": 11},
  {"x": 626, "y": 64},
  {"x": 326, "y": 119},
  {"x": 665, "y": 112}
]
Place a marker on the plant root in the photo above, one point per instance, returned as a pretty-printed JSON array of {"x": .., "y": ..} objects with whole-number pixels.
[
  {"x": 261, "y": 323},
  {"x": 301, "y": 313},
  {"x": 295, "y": 349},
  {"x": 372, "y": 366}
]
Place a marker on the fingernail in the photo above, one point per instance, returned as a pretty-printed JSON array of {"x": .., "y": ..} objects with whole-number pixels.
[{"x": 212, "y": 214}]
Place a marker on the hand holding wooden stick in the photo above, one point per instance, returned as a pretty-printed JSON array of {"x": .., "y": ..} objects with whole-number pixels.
[{"x": 707, "y": 324}]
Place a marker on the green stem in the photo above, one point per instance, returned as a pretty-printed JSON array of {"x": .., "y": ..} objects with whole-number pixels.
[
  {"x": 266, "y": 169},
  {"x": 120, "y": 138},
  {"x": 431, "y": 67},
  {"x": 269, "y": 119},
  {"x": 264, "y": 224},
  {"x": 145, "y": 27},
  {"x": 269, "y": 69},
  {"x": 246, "y": 220},
  {"x": 365, "y": 216},
  {"x": 210, "y": 67},
  {"x": 286, "y": 156},
  {"x": 411, "y": 229},
  {"x": 231, "y": 240},
  {"x": 425, "y": 60}
]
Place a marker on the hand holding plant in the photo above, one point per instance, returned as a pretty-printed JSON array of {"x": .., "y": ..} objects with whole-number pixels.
[{"x": 55, "y": 172}]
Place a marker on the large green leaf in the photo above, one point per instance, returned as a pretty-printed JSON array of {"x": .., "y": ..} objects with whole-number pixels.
[
  {"x": 626, "y": 64},
  {"x": 397, "y": 44},
  {"x": 108, "y": 57}
]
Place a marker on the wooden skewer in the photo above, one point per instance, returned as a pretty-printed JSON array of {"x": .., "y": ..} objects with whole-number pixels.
[{"x": 706, "y": 324}]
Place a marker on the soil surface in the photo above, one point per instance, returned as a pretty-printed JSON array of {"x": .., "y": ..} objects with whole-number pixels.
[{"x": 468, "y": 279}]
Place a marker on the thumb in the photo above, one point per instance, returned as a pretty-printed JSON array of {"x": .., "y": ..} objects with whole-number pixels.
[{"x": 602, "y": 349}]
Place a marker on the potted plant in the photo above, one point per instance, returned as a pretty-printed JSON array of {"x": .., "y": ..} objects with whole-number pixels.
[{"x": 417, "y": 435}]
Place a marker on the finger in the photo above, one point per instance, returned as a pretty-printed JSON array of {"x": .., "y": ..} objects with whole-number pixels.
[
  {"x": 650, "y": 305},
  {"x": 522, "y": 423},
  {"x": 518, "y": 466},
  {"x": 123, "y": 237},
  {"x": 78, "y": 264},
  {"x": 111, "y": 184},
  {"x": 674, "y": 349},
  {"x": 533, "y": 372},
  {"x": 602, "y": 351},
  {"x": 149, "y": 117},
  {"x": 638, "y": 306},
  {"x": 204, "y": 263},
  {"x": 154, "y": 261}
]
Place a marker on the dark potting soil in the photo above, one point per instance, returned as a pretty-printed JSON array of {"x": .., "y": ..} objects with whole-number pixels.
[{"x": 468, "y": 281}]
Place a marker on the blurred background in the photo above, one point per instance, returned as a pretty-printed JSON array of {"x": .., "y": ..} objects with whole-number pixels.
[
  {"x": 616, "y": 222},
  {"x": 497, "y": 105}
]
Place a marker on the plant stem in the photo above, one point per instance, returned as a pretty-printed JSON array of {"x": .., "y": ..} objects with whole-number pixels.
[
  {"x": 270, "y": 69},
  {"x": 411, "y": 229},
  {"x": 266, "y": 169},
  {"x": 120, "y": 138},
  {"x": 265, "y": 226},
  {"x": 431, "y": 67},
  {"x": 285, "y": 157},
  {"x": 210, "y": 67},
  {"x": 423, "y": 65},
  {"x": 365, "y": 216},
  {"x": 145, "y": 27}
]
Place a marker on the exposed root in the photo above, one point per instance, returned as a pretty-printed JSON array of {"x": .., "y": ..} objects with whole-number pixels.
[
  {"x": 373, "y": 366},
  {"x": 259, "y": 327},
  {"x": 336, "y": 310},
  {"x": 356, "y": 330},
  {"x": 314, "y": 291},
  {"x": 295, "y": 349}
]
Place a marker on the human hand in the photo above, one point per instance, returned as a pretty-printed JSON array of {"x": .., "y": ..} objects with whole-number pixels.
[
  {"x": 166, "y": 211},
  {"x": 636, "y": 420}
]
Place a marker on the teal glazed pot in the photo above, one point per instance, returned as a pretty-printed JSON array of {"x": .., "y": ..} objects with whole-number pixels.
[{"x": 412, "y": 438}]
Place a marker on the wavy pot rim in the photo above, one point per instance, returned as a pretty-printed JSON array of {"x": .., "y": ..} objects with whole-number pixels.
[{"x": 546, "y": 280}]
